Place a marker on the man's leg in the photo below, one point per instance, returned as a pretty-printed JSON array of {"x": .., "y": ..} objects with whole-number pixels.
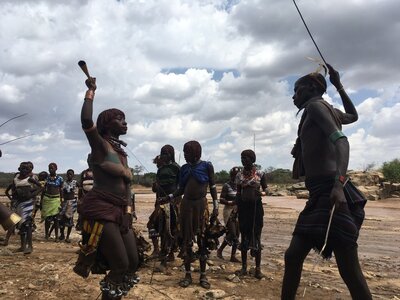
[
  {"x": 187, "y": 225},
  {"x": 69, "y": 229},
  {"x": 243, "y": 271},
  {"x": 350, "y": 270},
  {"x": 187, "y": 280},
  {"x": 62, "y": 230},
  {"x": 233, "y": 253},
  {"x": 221, "y": 248},
  {"x": 10, "y": 232},
  {"x": 22, "y": 233},
  {"x": 258, "y": 274},
  {"x": 56, "y": 226},
  {"x": 47, "y": 224},
  {"x": 29, "y": 248},
  {"x": 294, "y": 258},
  {"x": 203, "y": 261}
]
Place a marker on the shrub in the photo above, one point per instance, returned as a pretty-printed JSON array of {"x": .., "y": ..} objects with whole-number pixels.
[
  {"x": 391, "y": 170},
  {"x": 279, "y": 176}
]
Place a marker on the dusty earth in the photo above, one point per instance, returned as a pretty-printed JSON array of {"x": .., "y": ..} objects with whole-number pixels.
[{"x": 47, "y": 272}]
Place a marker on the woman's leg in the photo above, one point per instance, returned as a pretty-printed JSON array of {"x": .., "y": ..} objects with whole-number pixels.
[
  {"x": 112, "y": 247},
  {"x": 131, "y": 250}
]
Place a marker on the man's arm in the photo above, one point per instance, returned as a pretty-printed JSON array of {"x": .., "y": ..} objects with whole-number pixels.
[
  {"x": 213, "y": 188},
  {"x": 8, "y": 189},
  {"x": 264, "y": 185},
  {"x": 61, "y": 191},
  {"x": 321, "y": 116},
  {"x": 222, "y": 196},
  {"x": 350, "y": 115},
  {"x": 38, "y": 188}
]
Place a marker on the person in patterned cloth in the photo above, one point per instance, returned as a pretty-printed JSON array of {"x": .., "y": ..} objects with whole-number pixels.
[
  {"x": 51, "y": 201},
  {"x": 68, "y": 207},
  {"x": 251, "y": 185},
  {"x": 25, "y": 188}
]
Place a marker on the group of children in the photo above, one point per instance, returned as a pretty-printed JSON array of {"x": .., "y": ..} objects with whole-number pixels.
[{"x": 55, "y": 197}]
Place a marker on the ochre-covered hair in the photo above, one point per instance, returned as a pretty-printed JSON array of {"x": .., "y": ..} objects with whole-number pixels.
[
  {"x": 194, "y": 148},
  {"x": 168, "y": 150},
  {"x": 105, "y": 117},
  {"x": 249, "y": 153}
]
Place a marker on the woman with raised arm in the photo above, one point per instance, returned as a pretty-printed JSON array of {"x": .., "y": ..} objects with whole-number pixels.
[{"x": 108, "y": 242}]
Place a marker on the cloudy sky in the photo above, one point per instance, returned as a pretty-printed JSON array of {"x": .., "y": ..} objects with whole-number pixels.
[{"x": 218, "y": 71}]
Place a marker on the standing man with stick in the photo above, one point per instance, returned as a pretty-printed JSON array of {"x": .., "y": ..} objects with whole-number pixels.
[
  {"x": 108, "y": 242},
  {"x": 322, "y": 155}
]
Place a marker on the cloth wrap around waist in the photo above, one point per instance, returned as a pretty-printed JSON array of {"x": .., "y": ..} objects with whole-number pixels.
[
  {"x": 50, "y": 205},
  {"x": 250, "y": 216},
  {"x": 346, "y": 221},
  {"x": 101, "y": 205}
]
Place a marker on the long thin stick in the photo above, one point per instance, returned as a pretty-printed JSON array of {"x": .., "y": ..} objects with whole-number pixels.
[
  {"x": 144, "y": 167},
  {"x": 328, "y": 228},
  {"x": 304, "y": 22},
  {"x": 13, "y": 119},
  {"x": 21, "y": 137}
]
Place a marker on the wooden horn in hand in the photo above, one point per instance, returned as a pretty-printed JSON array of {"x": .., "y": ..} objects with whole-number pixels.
[{"x": 84, "y": 68}]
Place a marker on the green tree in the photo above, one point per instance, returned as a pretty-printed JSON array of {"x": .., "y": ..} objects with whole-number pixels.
[
  {"x": 136, "y": 172},
  {"x": 221, "y": 176},
  {"x": 148, "y": 179},
  {"x": 6, "y": 179},
  {"x": 391, "y": 170},
  {"x": 279, "y": 176}
]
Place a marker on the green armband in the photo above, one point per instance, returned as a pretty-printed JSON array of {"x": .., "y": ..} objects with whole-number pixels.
[{"x": 335, "y": 136}]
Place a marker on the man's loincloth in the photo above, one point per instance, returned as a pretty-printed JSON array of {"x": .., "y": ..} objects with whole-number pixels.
[{"x": 346, "y": 222}]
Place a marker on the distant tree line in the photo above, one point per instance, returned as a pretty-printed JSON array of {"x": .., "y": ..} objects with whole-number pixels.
[{"x": 390, "y": 170}]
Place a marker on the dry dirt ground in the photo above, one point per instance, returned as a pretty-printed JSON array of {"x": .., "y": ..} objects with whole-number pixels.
[{"x": 47, "y": 272}]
